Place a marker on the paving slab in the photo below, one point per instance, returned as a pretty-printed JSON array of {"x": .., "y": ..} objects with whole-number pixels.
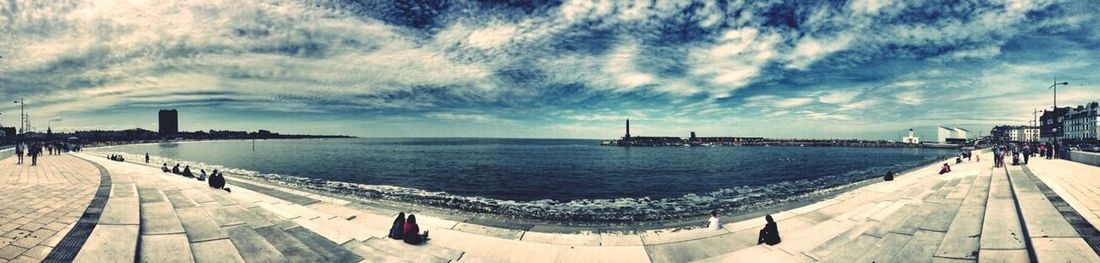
[
  {"x": 426, "y": 252},
  {"x": 853, "y": 250},
  {"x": 1063, "y": 250},
  {"x": 110, "y": 243},
  {"x": 962, "y": 237},
  {"x": 491, "y": 231},
  {"x": 179, "y": 200},
  {"x": 121, "y": 211},
  {"x": 590, "y": 239},
  {"x": 159, "y": 218},
  {"x": 922, "y": 246},
  {"x": 199, "y": 226},
  {"x": 1005, "y": 256},
  {"x": 293, "y": 249},
  {"x": 150, "y": 195},
  {"x": 371, "y": 254},
  {"x": 293, "y": 198},
  {"x": 326, "y": 248},
  {"x": 165, "y": 248},
  {"x": 885, "y": 249},
  {"x": 224, "y": 216},
  {"x": 894, "y": 221},
  {"x": 216, "y": 251},
  {"x": 840, "y": 241},
  {"x": 620, "y": 239},
  {"x": 252, "y": 246},
  {"x": 1042, "y": 219}
]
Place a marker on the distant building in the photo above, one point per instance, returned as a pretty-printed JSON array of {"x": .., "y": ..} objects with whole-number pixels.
[
  {"x": 169, "y": 123},
  {"x": 7, "y": 133},
  {"x": 1010, "y": 133},
  {"x": 951, "y": 135},
  {"x": 910, "y": 138},
  {"x": 1080, "y": 123},
  {"x": 1050, "y": 127}
]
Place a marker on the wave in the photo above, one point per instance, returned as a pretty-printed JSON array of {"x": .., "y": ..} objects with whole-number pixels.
[{"x": 618, "y": 210}]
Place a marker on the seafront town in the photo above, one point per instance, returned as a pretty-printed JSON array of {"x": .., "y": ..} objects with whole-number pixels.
[{"x": 87, "y": 208}]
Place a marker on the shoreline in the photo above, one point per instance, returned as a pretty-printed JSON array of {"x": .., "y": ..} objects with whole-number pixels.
[{"x": 560, "y": 226}]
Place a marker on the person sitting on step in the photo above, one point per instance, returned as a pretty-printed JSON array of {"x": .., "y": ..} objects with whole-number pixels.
[
  {"x": 770, "y": 233},
  {"x": 412, "y": 232},
  {"x": 397, "y": 231},
  {"x": 187, "y": 171},
  {"x": 164, "y": 168}
]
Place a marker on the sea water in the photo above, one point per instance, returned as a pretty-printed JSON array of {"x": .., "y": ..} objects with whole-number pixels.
[{"x": 552, "y": 179}]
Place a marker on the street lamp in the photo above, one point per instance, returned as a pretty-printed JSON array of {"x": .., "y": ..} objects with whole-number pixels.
[
  {"x": 1055, "y": 88},
  {"x": 22, "y": 116}
]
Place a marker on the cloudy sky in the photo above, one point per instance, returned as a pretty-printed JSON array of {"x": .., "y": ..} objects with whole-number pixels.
[{"x": 577, "y": 69}]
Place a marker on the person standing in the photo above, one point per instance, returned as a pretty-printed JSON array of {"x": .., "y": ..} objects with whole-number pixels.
[
  {"x": 35, "y": 149},
  {"x": 19, "y": 148},
  {"x": 146, "y": 157},
  {"x": 1027, "y": 153}
]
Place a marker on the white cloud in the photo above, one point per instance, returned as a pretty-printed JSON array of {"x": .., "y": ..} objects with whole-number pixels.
[{"x": 492, "y": 36}]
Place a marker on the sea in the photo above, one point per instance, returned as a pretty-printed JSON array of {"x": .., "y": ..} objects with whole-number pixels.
[{"x": 547, "y": 179}]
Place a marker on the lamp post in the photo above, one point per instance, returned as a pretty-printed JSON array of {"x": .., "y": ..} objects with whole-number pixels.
[
  {"x": 22, "y": 116},
  {"x": 1055, "y": 88}
]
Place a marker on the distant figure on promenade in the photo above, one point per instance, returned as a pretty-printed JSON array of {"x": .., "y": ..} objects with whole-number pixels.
[
  {"x": 146, "y": 157},
  {"x": 202, "y": 175},
  {"x": 1027, "y": 153},
  {"x": 35, "y": 150},
  {"x": 164, "y": 168},
  {"x": 397, "y": 231},
  {"x": 19, "y": 148},
  {"x": 1050, "y": 152},
  {"x": 946, "y": 169},
  {"x": 713, "y": 223},
  {"x": 889, "y": 176},
  {"x": 176, "y": 169},
  {"x": 187, "y": 172},
  {"x": 958, "y": 159},
  {"x": 412, "y": 232},
  {"x": 770, "y": 234}
]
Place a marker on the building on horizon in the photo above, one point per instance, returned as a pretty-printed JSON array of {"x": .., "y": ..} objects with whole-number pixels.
[
  {"x": 951, "y": 135},
  {"x": 910, "y": 138},
  {"x": 1080, "y": 123},
  {"x": 1014, "y": 133},
  {"x": 168, "y": 123}
]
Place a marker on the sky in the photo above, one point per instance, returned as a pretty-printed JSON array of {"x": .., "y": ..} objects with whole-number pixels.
[{"x": 547, "y": 69}]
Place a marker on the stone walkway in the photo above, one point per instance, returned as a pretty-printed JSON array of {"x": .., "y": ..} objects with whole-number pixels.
[
  {"x": 40, "y": 204},
  {"x": 974, "y": 213}
]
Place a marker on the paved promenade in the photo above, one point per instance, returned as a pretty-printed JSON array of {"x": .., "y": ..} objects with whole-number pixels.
[{"x": 975, "y": 213}]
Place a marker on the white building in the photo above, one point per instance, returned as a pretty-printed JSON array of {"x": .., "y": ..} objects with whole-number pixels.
[
  {"x": 1080, "y": 123},
  {"x": 945, "y": 134},
  {"x": 911, "y": 138},
  {"x": 1023, "y": 134}
]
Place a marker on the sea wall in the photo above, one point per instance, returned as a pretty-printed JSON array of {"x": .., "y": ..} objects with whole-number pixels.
[{"x": 1085, "y": 157}]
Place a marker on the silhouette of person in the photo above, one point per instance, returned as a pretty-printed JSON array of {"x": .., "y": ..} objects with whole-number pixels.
[{"x": 770, "y": 233}]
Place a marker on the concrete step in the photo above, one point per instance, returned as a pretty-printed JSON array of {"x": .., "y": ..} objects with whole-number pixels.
[
  {"x": 921, "y": 246},
  {"x": 853, "y": 250},
  {"x": 252, "y": 246},
  {"x": 293, "y": 249},
  {"x": 165, "y": 248},
  {"x": 962, "y": 236},
  {"x": 1002, "y": 236},
  {"x": 159, "y": 218},
  {"x": 840, "y": 241},
  {"x": 371, "y": 254},
  {"x": 110, "y": 243},
  {"x": 326, "y": 248},
  {"x": 885, "y": 249},
  {"x": 199, "y": 225},
  {"x": 426, "y": 249},
  {"x": 220, "y": 250}
]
